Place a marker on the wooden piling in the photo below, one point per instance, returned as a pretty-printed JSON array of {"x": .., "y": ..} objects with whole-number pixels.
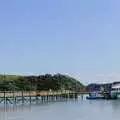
[
  {"x": 30, "y": 97},
  {"x": 23, "y": 97},
  {"x": 4, "y": 98}
]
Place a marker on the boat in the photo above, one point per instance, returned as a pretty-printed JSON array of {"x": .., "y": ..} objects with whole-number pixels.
[
  {"x": 95, "y": 96},
  {"x": 113, "y": 93}
]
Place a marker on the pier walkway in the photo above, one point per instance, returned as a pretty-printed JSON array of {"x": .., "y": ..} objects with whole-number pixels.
[{"x": 13, "y": 97}]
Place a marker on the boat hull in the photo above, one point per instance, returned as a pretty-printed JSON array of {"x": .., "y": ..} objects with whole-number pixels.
[{"x": 94, "y": 98}]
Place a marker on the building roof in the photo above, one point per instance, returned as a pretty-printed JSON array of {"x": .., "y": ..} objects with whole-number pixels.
[{"x": 116, "y": 86}]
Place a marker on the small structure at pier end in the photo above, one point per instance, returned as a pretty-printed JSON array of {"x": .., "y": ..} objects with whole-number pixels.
[{"x": 115, "y": 90}]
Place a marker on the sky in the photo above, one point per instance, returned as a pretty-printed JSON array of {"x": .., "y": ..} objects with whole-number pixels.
[{"x": 80, "y": 38}]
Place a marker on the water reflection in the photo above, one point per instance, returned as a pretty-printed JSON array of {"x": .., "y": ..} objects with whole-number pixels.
[
  {"x": 13, "y": 108},
  {"x": 27, "y": 107},
  {"x": 63, "y": 110},
  {"x": 115, "y": 104}
]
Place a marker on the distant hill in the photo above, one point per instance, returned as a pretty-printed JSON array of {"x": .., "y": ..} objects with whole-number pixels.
[{"x": 41, "y": 82}]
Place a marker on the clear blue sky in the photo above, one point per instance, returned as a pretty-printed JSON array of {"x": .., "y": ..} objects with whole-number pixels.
[{"x": 80, "y": 38}]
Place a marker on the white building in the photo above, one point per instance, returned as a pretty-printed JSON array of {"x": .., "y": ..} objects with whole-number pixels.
[{"x": 115, "y": 92}]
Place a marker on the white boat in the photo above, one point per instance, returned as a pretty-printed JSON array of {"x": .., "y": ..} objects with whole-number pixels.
[{"x": 95, "y": 95}]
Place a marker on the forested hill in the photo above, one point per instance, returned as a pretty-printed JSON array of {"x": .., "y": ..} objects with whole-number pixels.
[{"x": 41, "y": 82}]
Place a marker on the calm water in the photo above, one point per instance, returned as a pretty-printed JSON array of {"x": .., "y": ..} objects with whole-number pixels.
[{"x": 71, "y": 110}]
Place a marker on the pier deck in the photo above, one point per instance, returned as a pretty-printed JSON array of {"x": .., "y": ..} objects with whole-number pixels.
[{"x": 12, "y": 97}]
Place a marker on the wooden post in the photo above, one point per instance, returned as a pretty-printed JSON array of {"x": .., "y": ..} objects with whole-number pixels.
[
  {"x": 22, "y": 98},
  {"x": 4, "y": 98},
  {"x": 15, "y": 97},
  {"x": 30, "y": 96},
  {"x": 47, "y": 97},
  {"x": 82, "y": 96},
  {"x": 36, "y": 97}
]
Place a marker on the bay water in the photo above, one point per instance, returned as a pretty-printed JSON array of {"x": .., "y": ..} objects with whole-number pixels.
[{"x": 63, "y": 110}]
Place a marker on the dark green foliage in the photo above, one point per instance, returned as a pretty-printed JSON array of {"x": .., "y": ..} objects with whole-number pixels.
[{"x": 39, "y": 83}]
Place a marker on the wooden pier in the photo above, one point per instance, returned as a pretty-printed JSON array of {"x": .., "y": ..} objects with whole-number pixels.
[{"x": 21, "y": 97}]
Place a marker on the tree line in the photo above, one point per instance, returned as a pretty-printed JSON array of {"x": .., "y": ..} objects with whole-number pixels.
[{"x": 39, "y": 83}]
